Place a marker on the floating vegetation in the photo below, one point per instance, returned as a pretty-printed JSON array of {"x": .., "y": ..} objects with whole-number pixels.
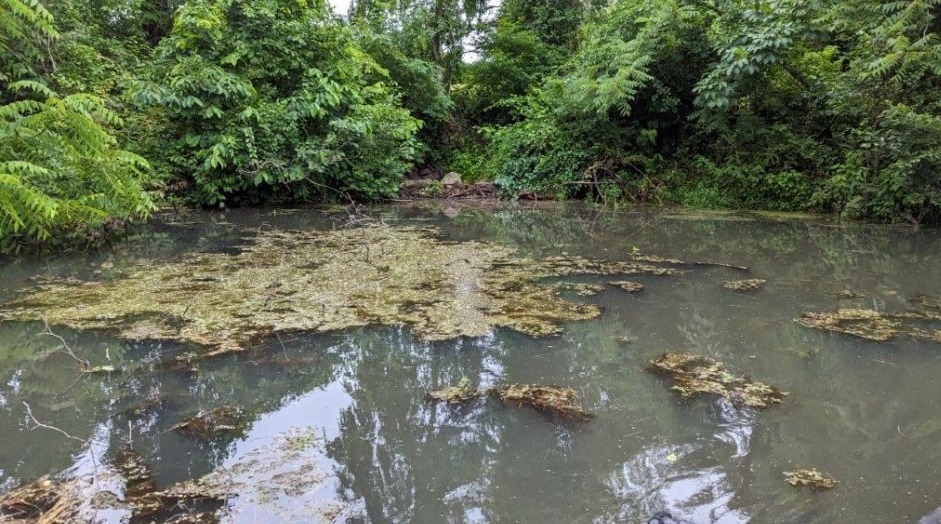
[
  {"x": 45, "y": 501},
  {"x": 876, "y": 326},
  {"x": 317, "y": 281},
  {"x": 287, "y": 480},
  {"x": 207, "y": 424},
  {"x": 675, "y": 262},
  {"x": 552, "y": 400},
  {"x": 694, "y": 374},
  {"x": 459, "y": 394},
  {"x": 810, "y": 477},
  {"x": 581, "y": 289},
  {"x": 849, "y": 294},
  {"x": 628, "y": 285},
  {"x": 283, "y": 481},
  {"x": 745, "y": 286},
  {"x": 137, "y": 475}
]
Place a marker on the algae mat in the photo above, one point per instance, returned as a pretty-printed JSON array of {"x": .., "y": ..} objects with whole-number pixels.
[{"x": 318, "y": 281}]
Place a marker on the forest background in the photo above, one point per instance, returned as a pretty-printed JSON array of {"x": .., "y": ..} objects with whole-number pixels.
[{"x": 110, "y": 108}]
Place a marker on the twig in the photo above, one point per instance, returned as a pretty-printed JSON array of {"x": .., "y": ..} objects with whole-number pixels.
[
  {"x": 39, "y": 424},
  {"x": 68, "y": 350}
]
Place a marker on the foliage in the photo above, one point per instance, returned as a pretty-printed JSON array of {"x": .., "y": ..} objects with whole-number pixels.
[
  {"x": 60, "y": 168},
  {"x": 812, "y": 105},
  {"x": 273, "y": 100},
  {"x": 778, "y": 104}
]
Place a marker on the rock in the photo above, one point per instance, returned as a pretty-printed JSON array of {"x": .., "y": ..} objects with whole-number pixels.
[{"x": 451, "y": 179}]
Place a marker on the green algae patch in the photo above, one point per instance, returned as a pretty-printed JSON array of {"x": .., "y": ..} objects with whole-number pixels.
[
  {"x": 207, "y": 424},
  {"x": 628, "y": 286},
  {"x": 695, "y": 375},
  {"x": 581, "y": 289},
  {"x": 551, "y": 400},
  {"x": 459, "y": 394},
  {"x": 810, "y": 477},
  {"x": 751, "y": 285},
  {"x": 283, "y": 481},
  {"x": 319, "y": 281},
  {"x": 877, "y": 326}
]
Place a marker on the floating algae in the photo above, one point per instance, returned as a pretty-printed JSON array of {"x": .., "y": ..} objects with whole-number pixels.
[
  {"x": 694, "y": 374},
  {"x": 316, "y": 281},
  {"x": 581, "y": 289},
  {"x": 213, "y": 422},
  {"x": 287, "y": 480},
  {"x": 459, "y": 394},
  {"x": 284, "y": 481},
  {"x": 745, "y": 286},
  {"x": 810, "y": 477},
  {"x": 628, "y": 285},
  {"x": 45, "y": 501},
  {"x": 137, "y": 475},
  {"x": 874, "y": 325},
  {"x": 552, "y": 400}
]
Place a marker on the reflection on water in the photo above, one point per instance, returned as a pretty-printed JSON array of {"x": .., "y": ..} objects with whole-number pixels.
[{"x": 366, "y": 444}]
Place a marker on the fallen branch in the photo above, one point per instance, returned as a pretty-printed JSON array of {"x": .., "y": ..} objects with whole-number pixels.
[{"x": 67, "y": 349}]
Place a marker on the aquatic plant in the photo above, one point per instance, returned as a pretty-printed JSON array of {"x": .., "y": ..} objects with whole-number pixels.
[
  {"x": 553, "y": 400},
  {"x": 628, "y": 285},
  {"x": 317, "y": 281},
  {"x": 810, "y": 477},
  {"x": 745, "y": 286},
  {"x": 207, "y": 424},
  {"x": 44, "y": 500},
  {"x": 459, "y": 394},
  {"x": 694, "y": 374},
  {"x": 875, "y": 325}
]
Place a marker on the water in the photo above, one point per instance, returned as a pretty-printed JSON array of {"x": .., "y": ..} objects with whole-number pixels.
[{"x": 867, "y": 413}]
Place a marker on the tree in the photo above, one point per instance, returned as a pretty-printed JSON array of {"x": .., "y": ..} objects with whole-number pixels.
[
  {"x": 273, "y": 100},
  {"x": 60, "y": 168}
]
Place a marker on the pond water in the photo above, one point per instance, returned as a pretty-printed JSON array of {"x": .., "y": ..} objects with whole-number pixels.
[{"x": 865, "y": 412}]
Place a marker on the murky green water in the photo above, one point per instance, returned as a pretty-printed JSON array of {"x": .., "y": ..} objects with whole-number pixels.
[{"x": 867, "y": 413}]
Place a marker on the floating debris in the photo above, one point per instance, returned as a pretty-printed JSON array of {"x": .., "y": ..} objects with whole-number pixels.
[
  {"x": 137, "y": 475},
  {"x": 874, "y": 325},
  {"x": 553, "y": 400},
  {"x": 213, "y": 422},
  {"x": 45, "y": 501},
  {"x": 694, "y": 374},
  {"x": 581, "y": 289},
  {"x": 849, "y": 294},
  {"x": 745, "y": 286},
  {"x": 675, "y": 262},
  {"x": 810, "y": 477},
  {"x": 285, "y": 481},
  {"x": 459, "y": 394},
  {"x": 318, "y": 281},
  {"x": 931, "y": 304},
  {"x": 628, "y": 285}
]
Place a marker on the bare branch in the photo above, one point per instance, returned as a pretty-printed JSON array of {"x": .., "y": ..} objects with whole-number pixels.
[
  {"x": 66, "y": 348},
  {"x": 39, "y": 424}
]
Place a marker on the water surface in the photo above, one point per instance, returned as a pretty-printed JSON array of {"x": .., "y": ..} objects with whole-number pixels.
[{"x": 867, "y": 413}]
